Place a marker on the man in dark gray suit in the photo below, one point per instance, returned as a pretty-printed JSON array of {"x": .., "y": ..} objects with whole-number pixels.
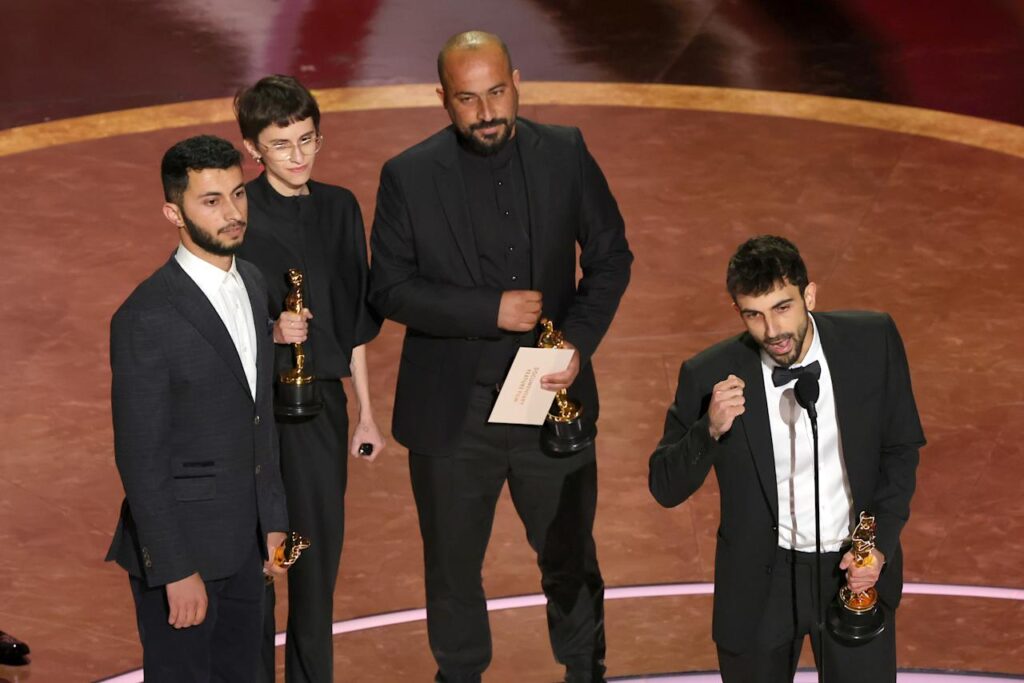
[
  {"x": 736, "y": 411},
  {"x": 192, "y": 362},
  {"x": 474, "y": 238}
]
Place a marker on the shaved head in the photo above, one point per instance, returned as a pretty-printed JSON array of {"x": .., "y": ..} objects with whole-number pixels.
[{"x": 468, "y": 40}]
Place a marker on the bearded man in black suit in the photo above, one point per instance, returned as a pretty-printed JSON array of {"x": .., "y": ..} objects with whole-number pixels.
[
  {"x": 735, "y": 410},
  {"x": 194, "y": 440},
  {"x": 474, "y": 238}
]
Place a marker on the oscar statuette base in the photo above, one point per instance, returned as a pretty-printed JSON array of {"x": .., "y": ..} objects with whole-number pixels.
[
  {"x": 851, "y": 627},
  {"x": 296, "y": 400},
  {"x": 562, "y": 439}
]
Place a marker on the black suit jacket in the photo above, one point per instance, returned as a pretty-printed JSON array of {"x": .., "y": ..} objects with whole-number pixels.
[
  {"x": 881, "y": 436},
  {"x": 198, "y": 457},
  {"x": 425, "y": 270}
]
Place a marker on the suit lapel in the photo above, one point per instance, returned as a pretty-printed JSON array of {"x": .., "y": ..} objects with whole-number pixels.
[
  {"x": 846, "y": 362},
  {"x": 193, "y": 305},
  {"x": 452, "y": 193},
  {"x": 538, "y": 188},
  {"x": 754, "y": 421},
  {"x": 264, "y": 348}
]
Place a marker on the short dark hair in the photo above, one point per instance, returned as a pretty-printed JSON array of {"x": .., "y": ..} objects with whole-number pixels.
[
  {"x": 469, "y": 40},
  {"x": 274, "y": 100},
  {"x": 194, "y": 154},
  {"x": 762, "y": 263}
]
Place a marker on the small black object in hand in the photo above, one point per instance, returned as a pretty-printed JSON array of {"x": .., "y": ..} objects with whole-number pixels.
[{"x": 366, "y": 449}]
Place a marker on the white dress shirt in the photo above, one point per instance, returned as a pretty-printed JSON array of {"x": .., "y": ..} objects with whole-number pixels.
[
  {"x": 226, "y": 292},
  {"x": 793, "y": 444}
]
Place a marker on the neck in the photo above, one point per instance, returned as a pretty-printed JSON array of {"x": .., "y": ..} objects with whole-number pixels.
[
  {"x": 283, "y": 188},
  {"x": 222, "y": 262}
]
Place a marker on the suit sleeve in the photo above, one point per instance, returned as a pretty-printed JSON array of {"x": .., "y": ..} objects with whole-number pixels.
[
  {"x": 686, "y": 452},
  {"x": 140, "y": 400},
  {"x": 398, "y": 290},
  {"x": 605, "y": 259},
  {"x": 902, "y": 439}
]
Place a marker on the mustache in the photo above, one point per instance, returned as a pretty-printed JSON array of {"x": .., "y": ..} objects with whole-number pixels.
[
  {"x": 232, "y": 225},
  {"x": 776, "y": 340},
  {"x": 489, "y": 124}
]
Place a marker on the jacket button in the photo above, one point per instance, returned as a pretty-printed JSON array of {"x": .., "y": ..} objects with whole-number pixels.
[
  {"x": 775, "y": 528},
  {"x": 767, "y": 569},
  {"x": 259, "y": 468},
  {"x": 256, "y": 420}
]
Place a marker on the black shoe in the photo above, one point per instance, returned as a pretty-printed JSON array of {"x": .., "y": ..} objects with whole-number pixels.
[
  {"x": 591, "y": 673},
  {"x": 12, "y": 650}
]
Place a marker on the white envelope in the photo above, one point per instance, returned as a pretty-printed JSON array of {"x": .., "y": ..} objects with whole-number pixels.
[{"x": 521, "y": 400}]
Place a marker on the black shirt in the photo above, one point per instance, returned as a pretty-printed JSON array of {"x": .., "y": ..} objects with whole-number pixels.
[
  {"x": 499, "y": 212},
  {"x": 322, "y": 235}
]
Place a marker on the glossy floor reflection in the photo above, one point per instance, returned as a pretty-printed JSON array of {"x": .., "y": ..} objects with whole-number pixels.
[{"x": 66, "y": 58}]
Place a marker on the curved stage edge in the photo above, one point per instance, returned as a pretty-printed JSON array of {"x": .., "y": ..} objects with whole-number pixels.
[
  {"x": 983, "y": 133},
  {"x": 664, "y": 590}
]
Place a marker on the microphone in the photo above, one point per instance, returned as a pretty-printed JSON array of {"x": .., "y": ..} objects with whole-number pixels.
[{"x": 807, "y": 391}]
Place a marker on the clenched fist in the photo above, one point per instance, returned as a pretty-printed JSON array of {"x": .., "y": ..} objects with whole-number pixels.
[
  {"x": 519, "y": 310},
  {"x": 727, "y": 403}
]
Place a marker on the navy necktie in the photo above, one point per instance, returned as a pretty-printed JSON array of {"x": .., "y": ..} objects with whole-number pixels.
[{"x": 781, "y": 375}]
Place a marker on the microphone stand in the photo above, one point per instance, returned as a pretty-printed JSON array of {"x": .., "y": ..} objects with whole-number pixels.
[
  {"x": 806, "y": 392},
  {"x": 817, "y": 547}
]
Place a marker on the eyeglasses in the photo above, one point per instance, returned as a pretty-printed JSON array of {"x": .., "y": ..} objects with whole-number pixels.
[{"x": 282, "y": 150}]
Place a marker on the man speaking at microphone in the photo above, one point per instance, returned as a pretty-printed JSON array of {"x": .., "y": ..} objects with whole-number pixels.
[{"x": 735, "y": 410}]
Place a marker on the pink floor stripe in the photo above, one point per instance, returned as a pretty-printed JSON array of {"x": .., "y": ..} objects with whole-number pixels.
[
  {"x": 667, "y": 590},
  {"x": 812, "y": 677}
]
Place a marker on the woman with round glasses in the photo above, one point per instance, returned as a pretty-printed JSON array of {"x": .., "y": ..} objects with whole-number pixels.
[{"x": 298, "y": 223}]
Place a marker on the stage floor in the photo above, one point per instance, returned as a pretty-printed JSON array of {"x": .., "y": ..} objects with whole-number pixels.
[{"x": 896, "y": 209}]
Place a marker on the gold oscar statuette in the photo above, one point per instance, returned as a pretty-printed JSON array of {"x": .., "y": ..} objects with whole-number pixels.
[
  {"x": 296, "y": 395},
  {"x": 855, "y": 617},
  {"x": 565, "y": 432},
  {"x": 288, "y": 552}
]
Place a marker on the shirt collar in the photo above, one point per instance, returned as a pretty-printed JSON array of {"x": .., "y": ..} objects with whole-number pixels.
[{"x": 209, "y": 277}]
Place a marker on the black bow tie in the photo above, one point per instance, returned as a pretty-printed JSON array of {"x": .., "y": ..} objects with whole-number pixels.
[{"x": 781, "y": 375}]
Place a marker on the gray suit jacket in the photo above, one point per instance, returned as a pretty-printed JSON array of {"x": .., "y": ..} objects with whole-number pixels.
[{"x": 198, "y": 457}]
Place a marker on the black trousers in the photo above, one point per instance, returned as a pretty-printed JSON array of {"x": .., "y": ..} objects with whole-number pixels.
[
  {"x": 791, "y": 614},
  {"x": 225, "y": 648},
  {"x": 314, "y": 467},
  {"x": 456, "y": 494}
]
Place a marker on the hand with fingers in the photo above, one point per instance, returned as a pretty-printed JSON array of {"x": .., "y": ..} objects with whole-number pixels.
[
  {"x": 862, "y": 577},
  {"x": 292, "y": 328},
  {"x": 186, "y": 601},
  {"x": 519, "y": 310},
  {"x": 727, "y": 403}
]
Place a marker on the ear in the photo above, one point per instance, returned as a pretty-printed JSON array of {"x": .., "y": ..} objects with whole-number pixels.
[
  {"x": 440, "y": 94},
  {"x": 810, "y": 294},
  {"x": 251, "y": 148},
  {"x": 515, "y": 78},
  {"x": 173, "y": 214}
]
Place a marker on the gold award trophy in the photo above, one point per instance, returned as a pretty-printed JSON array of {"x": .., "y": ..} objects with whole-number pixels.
[
  {"x": 296, "y": 394},
  {"x": 564, "y": 431},
  {"x": 287, "y": 553},
  {"x": 856, "y": 617}
]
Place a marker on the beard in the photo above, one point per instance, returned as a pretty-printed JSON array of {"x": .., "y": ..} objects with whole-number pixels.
[
  {"x": 208, "y": 242},
  {"x": 488, "y": 146},
  {"x": 798, "y": 338}
]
